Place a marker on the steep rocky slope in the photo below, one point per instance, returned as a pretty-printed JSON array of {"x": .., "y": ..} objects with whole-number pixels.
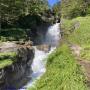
[{"x": 11, "y": 74}]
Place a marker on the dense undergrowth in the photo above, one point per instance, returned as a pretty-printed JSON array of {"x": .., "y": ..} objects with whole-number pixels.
[
  {"x": 62, "y": 72},
  {"x": 12, "y": 34}
]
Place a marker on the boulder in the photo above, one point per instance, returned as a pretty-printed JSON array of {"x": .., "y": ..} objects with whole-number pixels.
[{"x": 13, "y": 75}]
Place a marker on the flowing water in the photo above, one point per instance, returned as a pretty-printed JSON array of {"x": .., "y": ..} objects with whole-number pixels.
[{"x": 52, "y": 38}]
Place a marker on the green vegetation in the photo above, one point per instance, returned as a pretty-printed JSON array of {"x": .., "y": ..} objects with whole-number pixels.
[
  {"x": 80, "y": 35},
  {"x": 12, "y": 10},
  {"x": 88, "y": 11},
  {"x": 13, "y": 34},
  {"x": 19, "y": 19},
  {"x": 67, "y": 27},
  {"x": 7, "y": 55},
  {"x": 62, "y": 72},
  {"x": 57, "y": 9},
  {"x": 73, "y": 8},
  {"x": 7, "y": 59},
  {"x": 69, "y": 9},
  {"x": 85, "y": 53},
  {"x": 5, "y": 63},
  {"x": 16, "y": 14}
]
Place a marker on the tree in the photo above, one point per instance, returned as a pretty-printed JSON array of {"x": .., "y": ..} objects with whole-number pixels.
[
  {"x": 73, "y": 8},
  {"x": 88, "y": 6},
  {"x": 57, "y": 8},
  {"x": 12, "y": 9},
  {"x": 37, "y": 6}
]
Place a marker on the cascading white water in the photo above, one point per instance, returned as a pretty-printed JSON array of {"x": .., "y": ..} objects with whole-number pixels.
[
  {"x": 52, "y": 38},
  {"x": 53, "y": 35}
]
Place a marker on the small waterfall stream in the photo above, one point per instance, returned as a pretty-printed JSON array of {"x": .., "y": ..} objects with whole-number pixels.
[
  {"x": 52, "y": 38},
  {"x": 53, "y": 35}
]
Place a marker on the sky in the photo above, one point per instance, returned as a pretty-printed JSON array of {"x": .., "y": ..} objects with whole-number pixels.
[{"x": 52, "y": 2}]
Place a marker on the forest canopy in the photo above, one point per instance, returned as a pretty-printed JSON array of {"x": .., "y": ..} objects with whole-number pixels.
[{"x": 10, "y": 10}]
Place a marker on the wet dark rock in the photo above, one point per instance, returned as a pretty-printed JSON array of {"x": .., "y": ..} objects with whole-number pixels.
[{"x": 11, "y": 76}]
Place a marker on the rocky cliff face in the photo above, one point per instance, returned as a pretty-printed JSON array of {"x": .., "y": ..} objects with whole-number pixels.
[{"x": 13, "y": 75}]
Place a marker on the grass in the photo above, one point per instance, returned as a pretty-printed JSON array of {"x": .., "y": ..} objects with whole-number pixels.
[
  {"x": 80, "y": 35},
  {"x": 62, "y": 72},
  {"x": 7, "y": 59}
]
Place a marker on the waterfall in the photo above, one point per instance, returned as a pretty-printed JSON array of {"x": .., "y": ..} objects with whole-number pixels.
[
  {"x": 52, "y": 38},
  {"x": 53, "y": 35}
]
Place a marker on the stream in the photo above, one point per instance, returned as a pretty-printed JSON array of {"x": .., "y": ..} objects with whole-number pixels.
[{"x": 52, "y": 38}]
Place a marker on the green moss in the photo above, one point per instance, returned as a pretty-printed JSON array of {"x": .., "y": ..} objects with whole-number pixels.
[
  {"x": 62, "y": 72},
  {"x": 7, "y": 59},
  {"x": 7, "y": 55},
  {"x": 6, "y": 62}
]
